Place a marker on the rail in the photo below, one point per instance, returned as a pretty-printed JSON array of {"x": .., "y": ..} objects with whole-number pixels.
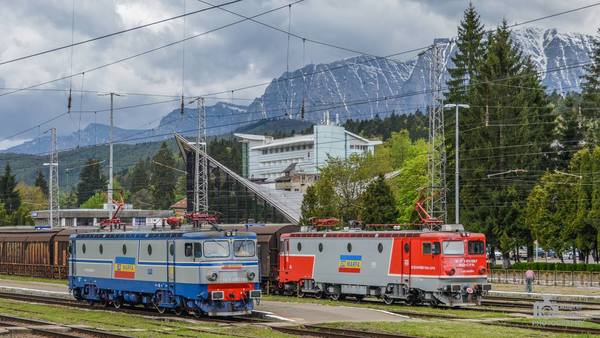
[{"x": 546, "y": 277}]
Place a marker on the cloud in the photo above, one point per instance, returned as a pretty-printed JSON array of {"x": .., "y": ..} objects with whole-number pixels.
[{"x": 237, "y": 56}]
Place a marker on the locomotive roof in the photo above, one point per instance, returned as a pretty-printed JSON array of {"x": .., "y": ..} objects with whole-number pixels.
[
  {"x": 165, "y": 235},
  {"x": 428, "y": 234}
]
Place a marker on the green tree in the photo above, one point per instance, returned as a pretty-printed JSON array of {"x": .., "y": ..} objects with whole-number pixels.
[
  {"x": 8, "y": 191},
  {"x": 378, "y": 205},
  {"x": 68, "y": 200},
  {"x": 163, "y": 178},
  {"x": 411, "y": 179},
  {"x": 142, "y": 199},
  {"x": 470, "y": 53},
  {"x": 138, "y": 179},
  {"x": 591, "y": 93},
  {"x": 40, "y": 181},
  {"x": 96, "y": 201},
  {"x": 549, "y": 211},
  {"x": 508, "y": 107},
  {"x": 310, "y": 205},
  {"x": 91, "y": 181},
  {"x": 5, "y": 219}
]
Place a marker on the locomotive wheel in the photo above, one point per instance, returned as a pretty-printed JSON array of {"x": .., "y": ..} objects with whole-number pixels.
[
  {"x": 91, "y": 303},
  {"x": 178, "y": 310},
  {"x": 359, "y": 298},
  {"x": 117, "y": 303},
  {"x": 388, "y": 300},
  {"x": 301, "y": 293},
  {"x": 335, "y": 296},
  {"x": 320, "y": 295},
  {"x": 161, "y": 309}
]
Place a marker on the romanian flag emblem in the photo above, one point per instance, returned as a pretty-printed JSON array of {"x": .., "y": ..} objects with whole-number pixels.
[
  {"x": 124, "y": 267},
  {"x": 350, "y": 263}
]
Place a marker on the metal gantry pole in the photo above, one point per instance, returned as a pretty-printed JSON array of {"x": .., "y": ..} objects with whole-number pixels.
[
  {"x": 53, "y": 192},
  {"x": 110, "y": 159},
  {"x": 110, "y": 155},
  {"x": 456, "y": 159},
  {"x": 201, "y": 162}
]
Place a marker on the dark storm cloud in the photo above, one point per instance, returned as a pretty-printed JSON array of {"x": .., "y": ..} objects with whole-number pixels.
[{"x": 234, "y": 57}]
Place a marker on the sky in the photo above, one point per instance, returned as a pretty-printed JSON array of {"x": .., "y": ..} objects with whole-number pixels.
[{"x": 241, "y": 55}]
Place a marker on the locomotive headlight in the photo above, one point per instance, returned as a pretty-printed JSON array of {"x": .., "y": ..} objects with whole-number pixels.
[
  {"x": 482, "y": 270},
  {"x": 451, "y": 272},
  {"x": 212, "y": 277},
  {"x": 250, "y": 275}
]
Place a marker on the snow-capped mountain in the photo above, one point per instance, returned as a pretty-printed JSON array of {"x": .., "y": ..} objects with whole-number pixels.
[{"x": 358, "y": 88}]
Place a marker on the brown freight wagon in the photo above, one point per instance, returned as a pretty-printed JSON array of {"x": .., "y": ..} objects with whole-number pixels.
[{"x": 35, "y": 253}]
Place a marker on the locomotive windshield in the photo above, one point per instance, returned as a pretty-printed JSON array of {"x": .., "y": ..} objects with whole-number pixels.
[
  {"x": 244, "y": 248},
  {"x": 476, "y": 248},
  {"x": 213, "y": 249},
  {"x": 453, "y": 247}
]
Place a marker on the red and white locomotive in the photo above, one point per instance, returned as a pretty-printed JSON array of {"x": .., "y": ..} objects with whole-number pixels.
[{"x": 433, "y": 267}]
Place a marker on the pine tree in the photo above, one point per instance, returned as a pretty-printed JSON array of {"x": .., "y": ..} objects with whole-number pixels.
[
  {"x": 591, "y": 93},
  {"x": 8, "y": 192},
  {"x": 40, "y": 181},
  {"x": 163, "y": 179},
  {"x": 508, "y": 107},
  {"x": 470, "y": 51},
  {"x": 377, "y": 203},
  {"x": 138, "y": 179},
  {"x": 91, "y": 181}
]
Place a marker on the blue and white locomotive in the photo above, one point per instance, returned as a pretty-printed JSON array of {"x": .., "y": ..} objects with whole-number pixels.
[{"x": 211, "y": 273}]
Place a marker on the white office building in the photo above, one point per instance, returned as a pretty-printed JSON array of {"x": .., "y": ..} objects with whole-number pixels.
[{"x": 264, "y": 157}]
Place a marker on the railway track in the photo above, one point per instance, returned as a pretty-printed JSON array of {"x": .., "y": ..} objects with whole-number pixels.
[
  {"x": 328, "y": 332},
  {"x": 127, "y": 309},
  {"x": 47, "y": 329},
  {"x": 547, "y": 328}
]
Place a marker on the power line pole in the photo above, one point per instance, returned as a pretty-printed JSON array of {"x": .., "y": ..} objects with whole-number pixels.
[
  {"x": 110, "y": 155},
  {"x": 456, "y": 158},
  {"x": 53, "y": 182},
  {"x": 437, "y": 204},
  {"x": 200, "y": 161}
]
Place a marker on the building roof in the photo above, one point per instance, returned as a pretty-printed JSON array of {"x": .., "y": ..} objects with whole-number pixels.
[
  {"x": 102, "y": 213},
  {"x": 181, "y": 204},
  {"x": 251, "y": 137},
  {"x": 370, "y": 142}
]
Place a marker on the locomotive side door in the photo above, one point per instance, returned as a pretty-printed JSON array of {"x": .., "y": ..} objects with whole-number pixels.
[
  {"x": 286, "y": 255},
  {"x": 170, "y": 261},
  {"x": 406, "y": 260}
]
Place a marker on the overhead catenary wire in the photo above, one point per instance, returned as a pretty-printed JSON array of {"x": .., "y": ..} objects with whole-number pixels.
[{"x": 55, "y": 49}]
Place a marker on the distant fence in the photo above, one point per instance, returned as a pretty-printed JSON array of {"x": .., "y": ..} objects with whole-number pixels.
[{"x": 546, "y": 277}]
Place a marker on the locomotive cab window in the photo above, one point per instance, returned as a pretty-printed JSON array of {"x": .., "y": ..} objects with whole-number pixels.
[
  {"x": 83, "y": 248},
  {"x": 453, "y": 247},
  {"x": 476, "y": 248},
  {"x": 436, "y": 249},
  {"x": 244, "y": 248},
  {"x": 188, "y": 249},
  {"x": 214, "y": 249},
  {"x": 197, "y": 250},
  {"x": 426, "y": 248}
]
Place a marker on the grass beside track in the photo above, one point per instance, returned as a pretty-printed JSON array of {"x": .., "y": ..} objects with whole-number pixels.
[
  {"x": 132, "y": 325},
  {"x": 558, "y": 322},
  {"x": 33, "y": 279},
  {"x": 395, "y": 307},
  {"x": 440, "y": 328}
]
